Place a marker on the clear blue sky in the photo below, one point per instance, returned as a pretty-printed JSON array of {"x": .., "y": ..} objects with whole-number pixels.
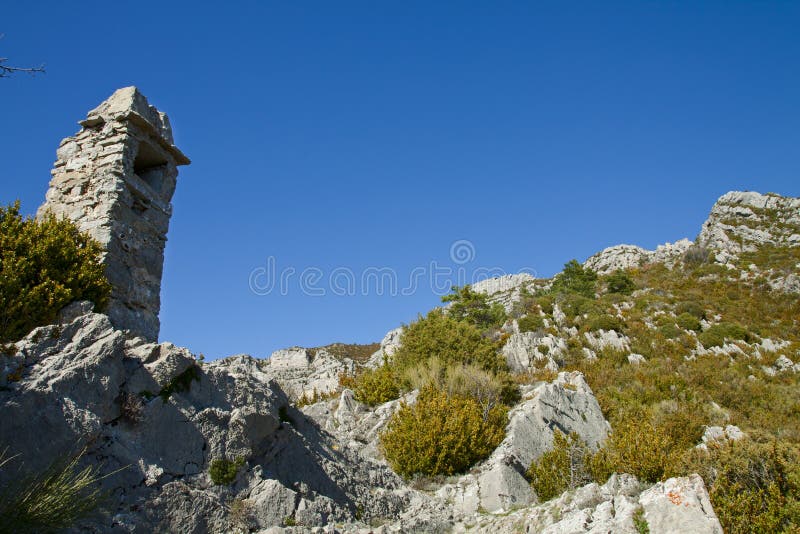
[{"x": 376, "y": 134}]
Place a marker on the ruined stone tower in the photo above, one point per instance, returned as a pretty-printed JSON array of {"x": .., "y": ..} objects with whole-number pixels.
[{"x": 115, "y": 178}]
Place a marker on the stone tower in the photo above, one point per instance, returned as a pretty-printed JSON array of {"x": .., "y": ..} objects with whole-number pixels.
[{"x": 115, "y": 178}]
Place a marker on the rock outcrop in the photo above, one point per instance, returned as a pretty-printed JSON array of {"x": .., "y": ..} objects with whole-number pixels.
[
  {"x": 499, "y": 484},
  {"x": 621, "y": 505},
  {"x": 306, "y": 373},
  {"x": 631, "y": 256},
  {"x": 504, "y": 289},
  {"x": 155, "y": 418},
  {"x": 742, "y": 221}
]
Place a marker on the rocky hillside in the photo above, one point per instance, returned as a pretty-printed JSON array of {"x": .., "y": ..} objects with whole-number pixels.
[{"x": 676, "y": 368}]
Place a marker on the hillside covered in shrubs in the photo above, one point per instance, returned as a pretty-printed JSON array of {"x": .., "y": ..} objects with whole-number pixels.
[{"x": 639, "y": 391}]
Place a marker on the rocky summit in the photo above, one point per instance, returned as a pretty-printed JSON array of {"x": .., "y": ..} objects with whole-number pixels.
[{"x": 663, "y": 344}]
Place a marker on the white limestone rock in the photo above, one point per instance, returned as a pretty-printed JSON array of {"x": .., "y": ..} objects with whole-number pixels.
[
  {"x": 743, "y": 221},
  {"x": 608, "y": 339},
  {"x": 499, "y": 484},
  {"x": 501, "y": 284},
  {"x": 630, "y": 256},
  {"x": 636, "y": 359},
  {"x": 679, "y": 505},
  {"x": 527, "y": 351},
  {"x": 505, "y": 289},
  {"x": 302, "y": 372},
  {"x": 617, "y": 257}
]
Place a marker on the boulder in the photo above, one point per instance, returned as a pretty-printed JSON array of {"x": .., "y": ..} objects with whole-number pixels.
[{"x": 567, "y": 404}]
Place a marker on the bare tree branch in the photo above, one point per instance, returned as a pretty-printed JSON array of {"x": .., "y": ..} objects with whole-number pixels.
[{"x": 7, "y": 70}]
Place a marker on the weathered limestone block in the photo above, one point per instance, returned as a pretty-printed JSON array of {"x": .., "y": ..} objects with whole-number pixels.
[{"x": 115, "y": 179}]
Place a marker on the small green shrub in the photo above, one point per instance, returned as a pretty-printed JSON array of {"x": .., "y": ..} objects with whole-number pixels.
[
  {"x": 546, "y": 303},
  {"x": 562, "y": 468},
  {"x": 716, "y": 334},
  {"x": 44, "y": 265},
  {"x": 575, "y": 279},
  {"x": 376, "y": 386},
  {"x": 223, "y": 471},
  {"x": 620, "y": 282},
  {"x": 439, "y": 335},
  {"x": 691, "y": 307},
  {"x": 669, "y": 330},
  {"x": 640, "y": 522},
  {"x": 475, "y": 308},
  {"x": 181, "y": 383},
  {"x": 52, "y": 500},
  {"x": 687, "y": 321},
  {"x": 441, "y": 434},
  {"x": 531, "y": 323},
  {"x": 574, "y": 305},
  {"x": 606, "y": 322},
  {"x": 695, "y": 256}
]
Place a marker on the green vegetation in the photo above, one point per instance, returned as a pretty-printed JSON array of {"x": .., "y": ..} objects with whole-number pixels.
[
  {"x": 755, "y": 483},
  {"x": 620, "y": 282},
  {"x": 354, "y": 351},
  {"x": 452, "y": 357},
  {"x": 451, "y": 340},
  {"x": 563, "y": 468},
  {"x": 441, "y": 434},
  {"x": 44, "y": 265},
  {"x": 376, "y": 386},
  {"x": 640, "y": 522},
  {"x": 687, "y": 321},
  {"x": 181, "y": 383},
  {"x": 606, "y": 322},
  {"x": 658, "y": 409},
  {"x": 474, "y": 308},
  {"x": 717, "y": 334},
  {"x": 575, "y": 278},
  {"x": 223, "y": 472},
  {"x": 50, "y": 501},
  {"x": 531, "y": 323}
]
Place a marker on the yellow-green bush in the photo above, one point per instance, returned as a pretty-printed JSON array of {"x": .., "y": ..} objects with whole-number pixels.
[
  {"x": 605, "y": 322},
  {"x": 691, "y": 307},
  {"x": 441, "y": 434},
  {"x": 562, "y": 468},
  {"x": 44, "y": 265},
  {"x": 687, "y": 321},
  {"x": 531, "y": 323},
  {"x": 376, "y": 386},
  {"x": 638, "y": 447},
  {"x": 464, "y": 380},
  {"x": 224, "y": 471},
  {"x": 439, "y": 335},
  {"x": 754, "y": 484},
  {"x": 716, "y": 334}
]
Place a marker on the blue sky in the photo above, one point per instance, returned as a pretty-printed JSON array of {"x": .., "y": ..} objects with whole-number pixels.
[{"x": 344, "y": 136}]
